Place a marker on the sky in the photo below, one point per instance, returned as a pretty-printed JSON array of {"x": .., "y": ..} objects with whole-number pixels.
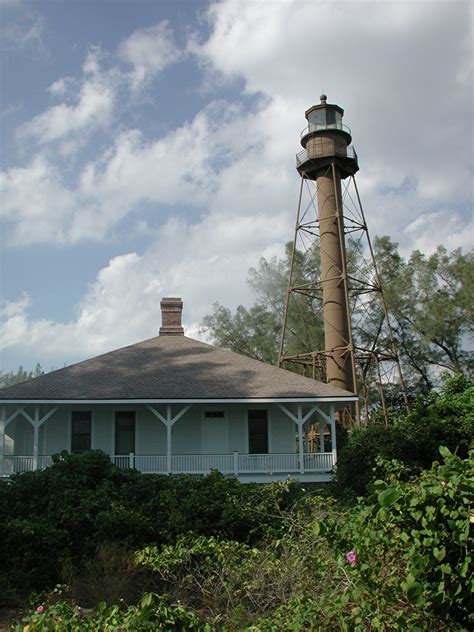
[{"x": 148, "y": 150}]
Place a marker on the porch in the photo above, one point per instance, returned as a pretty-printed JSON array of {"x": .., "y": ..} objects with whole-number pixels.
[
  {"x": 315, "y": 467},
  {"x": 257, "y": 441}
]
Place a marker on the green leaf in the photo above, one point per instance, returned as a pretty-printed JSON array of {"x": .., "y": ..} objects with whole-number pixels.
[
  {"x": 316, "y": 528},
  {"x": 414, "y": 591},
  {"x": 388, "y": 497},
  {"x": 439, "y": 554},
  {"x": 445, "y": 453},
  {"x": 146, "y": 600}
]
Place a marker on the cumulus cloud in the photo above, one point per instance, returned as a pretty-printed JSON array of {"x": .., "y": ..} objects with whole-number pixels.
[
  {"x": 36, "y": 205},
  {"x": 402, "y": 76},
  {"x": 149, "y": 50},
  {"x": 90, "y": 109},
  {"x": 24, "y": 35}
]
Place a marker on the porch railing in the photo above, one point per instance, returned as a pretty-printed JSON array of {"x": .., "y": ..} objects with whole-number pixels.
[
  {"x": 18, "y": 464},
  {"x": 234, "y": 463}
]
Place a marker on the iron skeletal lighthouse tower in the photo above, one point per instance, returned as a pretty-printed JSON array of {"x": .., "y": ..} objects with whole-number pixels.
[{"x": 331, "y": 227}]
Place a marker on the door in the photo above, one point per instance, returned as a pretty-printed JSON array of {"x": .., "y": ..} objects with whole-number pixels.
[
  {"x": 214, "y": 434},
  {"x": 258, "y": 431}
]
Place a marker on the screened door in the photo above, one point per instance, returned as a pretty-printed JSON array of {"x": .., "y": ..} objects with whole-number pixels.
[
  {"x": 258, "y": 431},
  {"x": 124, "y": 432}
]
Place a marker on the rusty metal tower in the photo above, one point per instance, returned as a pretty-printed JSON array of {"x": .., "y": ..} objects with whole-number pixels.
[{"x": 358, "y": 352}]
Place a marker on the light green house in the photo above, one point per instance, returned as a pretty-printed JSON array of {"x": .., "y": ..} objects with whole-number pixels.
[{"x": 175, "y": 405}]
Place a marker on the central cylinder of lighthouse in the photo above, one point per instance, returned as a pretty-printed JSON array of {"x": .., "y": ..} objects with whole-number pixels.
[
  {"x": 327, "y": 158},
  {"x": 332, "y": 254}
]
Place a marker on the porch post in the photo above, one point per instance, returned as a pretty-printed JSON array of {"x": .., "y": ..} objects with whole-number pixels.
[
  {"x": 168, "y": 421},
  {"x": 36, "y": 427},
  {"x": 333, "y": 434},
  {"x": 300, "y": 438},
  {"x": 2, "y": 437},
  {"x": 169, "y": 426},
  {"x": 321, "y": 435}
]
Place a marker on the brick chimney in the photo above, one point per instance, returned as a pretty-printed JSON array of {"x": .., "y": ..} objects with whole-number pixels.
[{"x": 171, "y": 310}]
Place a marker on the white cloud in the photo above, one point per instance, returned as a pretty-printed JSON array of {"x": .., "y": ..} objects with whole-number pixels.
[
  {"x": 446, "y": 227},
  {"x": 14, "y": 322},
  {"x": 36, "y": 206},
  {"x": 149, "y": 51},
  {"x": 23, "y": 34},
  {"x": 402, "y": 76},
  {"x": 91, "y": 109}
]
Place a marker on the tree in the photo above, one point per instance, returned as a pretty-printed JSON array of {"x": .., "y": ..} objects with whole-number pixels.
[
  {"x": 256, "y": 331},
  {"x": 21, "y": 375},
  {"x": 430, "y": 302},
  {"x": 428, "y": 298}
]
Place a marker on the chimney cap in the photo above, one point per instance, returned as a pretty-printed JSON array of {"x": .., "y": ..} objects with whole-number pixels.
[{"x": 171, "y": 311}]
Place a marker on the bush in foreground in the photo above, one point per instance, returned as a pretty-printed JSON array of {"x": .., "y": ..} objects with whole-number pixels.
[
  {"x": 413, "y": 439},
  {"x": 398, "y": 560}
]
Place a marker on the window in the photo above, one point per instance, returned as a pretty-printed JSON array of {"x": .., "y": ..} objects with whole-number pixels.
[
  {"x": 124, "y": 431},
  {"x": 318, "y": 117},
  {"x": 258, "y": 431},
  {"x": 81, "y": 430},
  {"x": 214, "y": 414}
]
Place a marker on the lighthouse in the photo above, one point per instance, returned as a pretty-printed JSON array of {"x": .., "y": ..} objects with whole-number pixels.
[
  {"x": 327, "y": 158},
  {"x": 356, "y": 351}
]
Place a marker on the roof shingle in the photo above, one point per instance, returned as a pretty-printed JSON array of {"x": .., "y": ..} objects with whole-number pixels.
[{"x": 170, "y": 367}]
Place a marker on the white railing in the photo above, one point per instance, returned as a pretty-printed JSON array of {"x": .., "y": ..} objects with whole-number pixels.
[
  {"x": 18, "y": 464},
  {"x": 201, "y": 463},
  {"x": 196, "y": 463},
  {"x": 268, "y": 463},
  {"x": 152, "y": 464},
  {"x": 319, "y": 462},
  {"x": 122, "y": 462}
]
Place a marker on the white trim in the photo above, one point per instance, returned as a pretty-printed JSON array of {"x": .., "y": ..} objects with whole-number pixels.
[
  {"x": 137, "y": 430},
  {"x": 93, "y": 429},
  {"x": 270, "y": 430},
  {"x": 242, "y": 400},
  {"x": 2, "y": 437}
]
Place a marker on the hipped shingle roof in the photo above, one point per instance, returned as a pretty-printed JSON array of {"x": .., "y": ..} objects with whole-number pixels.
[{"x": 170, "y": 367}]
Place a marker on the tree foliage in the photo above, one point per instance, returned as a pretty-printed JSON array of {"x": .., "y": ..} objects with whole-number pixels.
[
  {"x": 21, "y": 375},
  {"x": 429, "y": 301},
  {"x": 256, "y": 331},
  {"x": 445, "y": 418}
]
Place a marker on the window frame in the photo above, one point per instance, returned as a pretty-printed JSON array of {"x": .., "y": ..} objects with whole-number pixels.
[
  {"x": 76, "y": 434},
  {"x": 265, "y": 434},
  {"x": 132, "y": 414}
]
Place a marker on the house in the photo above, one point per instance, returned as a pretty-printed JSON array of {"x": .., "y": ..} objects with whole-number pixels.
[{"x": 174, "y": 405}]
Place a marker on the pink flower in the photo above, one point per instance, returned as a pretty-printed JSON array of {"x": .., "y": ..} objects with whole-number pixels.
[
  {"x": 40, "y": 609},
  {"x": 351, "y": 557}
]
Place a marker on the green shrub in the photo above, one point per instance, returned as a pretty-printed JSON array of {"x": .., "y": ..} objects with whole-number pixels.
[
  {"x": 152, "y": 613},
  {"x": 413, "y": 439},
  {"x": 81, "y": 502}
]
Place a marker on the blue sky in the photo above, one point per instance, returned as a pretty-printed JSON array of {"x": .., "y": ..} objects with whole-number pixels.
[{"x": 147, "y": 149}]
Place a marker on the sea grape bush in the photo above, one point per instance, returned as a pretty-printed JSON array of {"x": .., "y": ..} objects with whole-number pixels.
[
  {"x": 66, "y": 512},
  {"x": 154, "y": 612},
  {"x": 397, "y": 560},
  {"x": 413, "y": 439},
  {"x": 413, "y": 540}
]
